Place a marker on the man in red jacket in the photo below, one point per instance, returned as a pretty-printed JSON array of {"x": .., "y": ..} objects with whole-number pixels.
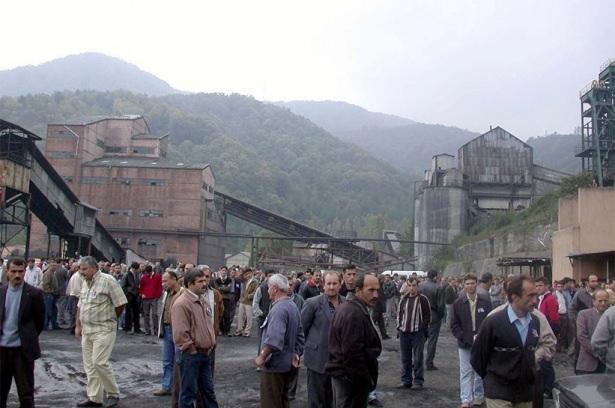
[
  {"x": 150, "y": 290},
  {"x": 548, "y": 305}
]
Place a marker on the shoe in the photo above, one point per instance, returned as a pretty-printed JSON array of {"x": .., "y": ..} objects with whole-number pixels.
[
  {"x": 138, "y": 332},
  {"x": 162, "y": 393},
  {"x": 246, "y": 335},
  {"x": 417, "y": 387},
  {"x": 259, "y": 369},
  {"x": 375, "y": 403},
  {"x": 88, "y": 403},
  {"x": 112, "y": 402},
  {"x": 431, "y": 368},
  {"x": 404, "y": 385},
  {"x": 548, "y": 395},
  {"x": 148, "y": 333},
  {"x": 478, "y": 402}
]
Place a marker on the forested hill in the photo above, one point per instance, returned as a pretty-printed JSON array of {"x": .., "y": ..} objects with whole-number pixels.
[
  {"x": 557, "y": 152},
  {"x": 90, "y": 71},
  {"x": 409, "y": 145},
  {"x": 259, "y": 152},
  {"x": 337, "y": 116}
]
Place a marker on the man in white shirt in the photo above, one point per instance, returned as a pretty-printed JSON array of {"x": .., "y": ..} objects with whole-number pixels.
[
  {"x": 564, "y": 323},
  {"x": 34, "y": 275}
]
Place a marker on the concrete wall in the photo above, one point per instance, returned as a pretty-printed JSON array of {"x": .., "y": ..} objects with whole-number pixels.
[
  {"x": 441, "y": 213},
  {"x": 481, "y": 256},
  {"x": 586, "y": 232}
]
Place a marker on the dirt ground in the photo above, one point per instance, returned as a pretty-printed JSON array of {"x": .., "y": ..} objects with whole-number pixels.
[{"x": 60, "y": 379}]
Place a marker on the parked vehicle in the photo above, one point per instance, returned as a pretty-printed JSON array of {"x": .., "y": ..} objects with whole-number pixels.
[{"x": 585, "y": 391}]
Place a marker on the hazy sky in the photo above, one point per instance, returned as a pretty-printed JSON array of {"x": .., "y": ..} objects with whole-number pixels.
[{"x": 518, "y": 64}]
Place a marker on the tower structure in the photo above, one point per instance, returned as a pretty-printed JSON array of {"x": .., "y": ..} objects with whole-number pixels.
[{"x": 597, "y": 149}]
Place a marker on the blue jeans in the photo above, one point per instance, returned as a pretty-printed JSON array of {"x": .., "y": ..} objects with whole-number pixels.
[
  {"x": 168, "y": 357},
  {"x": 51, "y": 312},
  {"x": 196, "y": 381},
  {"x": 411, "y": 347},
  {"x": 470, "y": 383}
]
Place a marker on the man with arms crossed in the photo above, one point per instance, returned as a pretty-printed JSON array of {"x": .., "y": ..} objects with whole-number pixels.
[
  {"x": 100, "y": 304},
  {"x": 316, "y": 317},
  {"x": 354, "y": 346},
  {"x": 22, "y": 314},
  {"x": 503, "y": 351}
]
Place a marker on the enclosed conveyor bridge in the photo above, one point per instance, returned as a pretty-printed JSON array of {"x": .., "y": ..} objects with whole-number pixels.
[{"x": 29, "y": 183}]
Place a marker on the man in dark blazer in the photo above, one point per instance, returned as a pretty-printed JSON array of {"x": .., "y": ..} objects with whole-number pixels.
[
  {"x": 22, "y": 317},
  {"x": 587, "y": 320},
  {"x": 316, "y": 317}
]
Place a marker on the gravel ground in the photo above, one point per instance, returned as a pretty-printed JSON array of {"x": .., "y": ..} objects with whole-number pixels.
[{"x": 60, "y": 379}]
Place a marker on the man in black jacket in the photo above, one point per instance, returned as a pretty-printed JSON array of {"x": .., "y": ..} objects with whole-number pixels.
[
  {"x": 468, "y": 313},
  {"x": 435, "y": 293},
  {"x": 503, "y": 351},
  {"x": 22, "y": 316},
  {"x": 354, "y": 347},
  {"x": 130, "y": 286}
]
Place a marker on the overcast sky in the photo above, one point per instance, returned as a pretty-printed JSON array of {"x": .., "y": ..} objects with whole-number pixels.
[{"x": 518, "y": 64}]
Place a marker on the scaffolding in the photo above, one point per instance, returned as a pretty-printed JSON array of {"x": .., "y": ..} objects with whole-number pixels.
[{"x": 597, "y": 149}]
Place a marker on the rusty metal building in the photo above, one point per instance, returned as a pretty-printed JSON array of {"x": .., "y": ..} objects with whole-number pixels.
[
  {"x": 156, "y": 207},
  {"x": 494, "y": 172}
]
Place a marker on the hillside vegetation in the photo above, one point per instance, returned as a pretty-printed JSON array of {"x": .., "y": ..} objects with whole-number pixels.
[{"x": 259, "y": 152}]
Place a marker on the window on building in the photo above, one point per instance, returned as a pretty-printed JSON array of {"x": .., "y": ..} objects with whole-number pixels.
[
  {"x": 61, "y": 155},
  {"x": 115, "y": 149},
  {"x": 62, "y": 134},
  {"x": 123, "y": 241},
  {"x": 148, "y": 242},
  {"x": 143, "y": 150},
  {"x": 92, "y": 180},
  {"x": 100, "y": 143},
  {"x": 153, "y": 182},
  {"x": 150, "y": 213},
  {"x": 122, "y": 180},
  {"x": 120, "y": 211}
]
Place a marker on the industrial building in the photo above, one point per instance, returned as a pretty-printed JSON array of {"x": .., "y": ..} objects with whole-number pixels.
[
  {"x": 584, "y": 243},
  {"x": 494, "y": 172},
  {"x": 160, "y": 209}
]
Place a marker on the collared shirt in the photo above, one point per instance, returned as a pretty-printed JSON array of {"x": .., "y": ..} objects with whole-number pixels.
[
  {"x": 97, "y": 302},
  {"x": 282, "y": 332},
  {"x": 473, "y": 310},
  {"x": 166, "y": 308},
  {"x": 10, "y": 324},
  {"x": 562, "y": 307},
  {"x": 521, "y": 323},
  {"x": 34, "y": 276},
  {"x": 75, "y": 284}
]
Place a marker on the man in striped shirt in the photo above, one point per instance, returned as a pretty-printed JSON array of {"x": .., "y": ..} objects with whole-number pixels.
[
  {"x": 100, "y": 304},
  {"x": 413, "y": 327}
]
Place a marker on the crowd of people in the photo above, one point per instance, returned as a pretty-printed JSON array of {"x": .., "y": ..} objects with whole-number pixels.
[{"x": 508, "y": 329}]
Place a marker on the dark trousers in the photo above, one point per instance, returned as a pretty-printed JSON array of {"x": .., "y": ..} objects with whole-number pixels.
[
  {"x": 51, "y": 312},
  {"x": 319, "y": 391},
  {"x": 349, "y": 394},
  {"x": 196, "y": 381},
  {"x": 274, "y": 389},
  {"x": 547, "y": 376},
  {"x": 227, "y": 316},
  {"x": 411, "y": 346},
  {"x": 563, "y": 340},
  {"x": 378, "y": 318},
  {"x": 13, "y": 364},
  {"x": 177, "y": 383},
  {"x": 132, "y": 318},
  {"x": 72, "y": 311},
  {"x": 292, "y": 383},
  {"x": 432, "y": 341}
]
